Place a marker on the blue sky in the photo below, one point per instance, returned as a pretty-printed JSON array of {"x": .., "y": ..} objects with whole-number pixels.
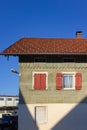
[{"x": 36, "y": 18}]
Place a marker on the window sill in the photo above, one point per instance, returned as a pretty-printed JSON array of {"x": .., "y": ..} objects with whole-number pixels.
[{"x": 68, "y": 89}]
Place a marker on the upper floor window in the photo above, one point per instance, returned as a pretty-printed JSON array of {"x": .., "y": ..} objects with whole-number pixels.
[
  {"x": 1, "y": 99},
  {"x": 9, "y": 99},
  {"x": 69, "y": 81},
  {"x": 40, "y": 80}
]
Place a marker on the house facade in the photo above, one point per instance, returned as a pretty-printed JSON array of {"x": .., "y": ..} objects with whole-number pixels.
[{"x": 53, "y": 83}]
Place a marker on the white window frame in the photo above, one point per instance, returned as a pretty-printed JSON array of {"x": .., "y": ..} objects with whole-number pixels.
[
  {"x": 69, "y": 73},
  {"x": 40, "y": 73},
  {"x": 37, "y": 120}
]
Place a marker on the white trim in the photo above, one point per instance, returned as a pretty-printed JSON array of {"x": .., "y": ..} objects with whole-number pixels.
[{"x": 39, "y": 73}]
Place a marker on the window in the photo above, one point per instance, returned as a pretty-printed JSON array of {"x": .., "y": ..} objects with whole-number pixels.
[
  {"x": 69, "y": 81},
  {"x": 16, "y": 99},
  {"x": 9, "y": 99},
  {"x": 41, "y": 114},
  {"x": 40, "y": 80},
  {"x": 1, "y": 99}
]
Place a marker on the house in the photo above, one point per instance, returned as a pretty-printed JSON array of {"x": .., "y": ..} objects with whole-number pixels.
[
  {"x": 8, "y": 104},
  {"x": 53, "y": 82}
]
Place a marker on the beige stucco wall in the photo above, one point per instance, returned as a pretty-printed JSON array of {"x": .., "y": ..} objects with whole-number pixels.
[
  {"x": 64, "y": 116},
  {"x": 66, "y": 109},
  {"x": 51, "y": 95}
]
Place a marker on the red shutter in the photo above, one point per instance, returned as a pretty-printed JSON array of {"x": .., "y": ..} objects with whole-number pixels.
[
  {"x": 78, "y": 81},
  {"x": 42, "y": 81},
  {"x": 36, "y": 81},
  {"x": 59, "y": 81}
]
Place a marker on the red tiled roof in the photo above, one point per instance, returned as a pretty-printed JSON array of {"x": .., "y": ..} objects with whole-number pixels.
[{"x": 47, "y": 46}]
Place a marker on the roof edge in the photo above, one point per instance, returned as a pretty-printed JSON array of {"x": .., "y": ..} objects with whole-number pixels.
[{"x": 8, "y": 54}]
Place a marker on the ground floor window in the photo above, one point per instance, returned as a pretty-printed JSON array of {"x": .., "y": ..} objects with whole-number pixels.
[{"x": 41, "y": 114}]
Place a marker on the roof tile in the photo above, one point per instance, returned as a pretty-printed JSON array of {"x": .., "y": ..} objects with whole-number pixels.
[{"x": 46, "y": 46}]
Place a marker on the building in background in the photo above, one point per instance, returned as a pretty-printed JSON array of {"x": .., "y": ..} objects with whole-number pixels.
[
  {"x": 8, "y": 104},
  {"x": 53, "y": 82}
]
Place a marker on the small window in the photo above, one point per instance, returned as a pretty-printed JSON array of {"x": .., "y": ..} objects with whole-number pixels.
[
  {"x": 1, "y": 99},
  {"x": 68, "y": 81},
  {"x": 41, "y": 114},
  {"x": 40, "y": 80},
  {"x": 9, "y": 99},
  {"x": 16, "y": 99}
]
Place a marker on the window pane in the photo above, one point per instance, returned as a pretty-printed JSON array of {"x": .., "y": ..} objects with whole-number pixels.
[
  {"x": 9, "y": 99},
  {"x": 70, "y": 81},
  {"x": 16, "y": 99},
  {"x": 67, "y": 81}
]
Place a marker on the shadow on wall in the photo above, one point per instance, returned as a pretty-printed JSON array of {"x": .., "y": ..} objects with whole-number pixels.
[
  {"x": 25, "y": 119},
  {"x": 76, "y": 119}
]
